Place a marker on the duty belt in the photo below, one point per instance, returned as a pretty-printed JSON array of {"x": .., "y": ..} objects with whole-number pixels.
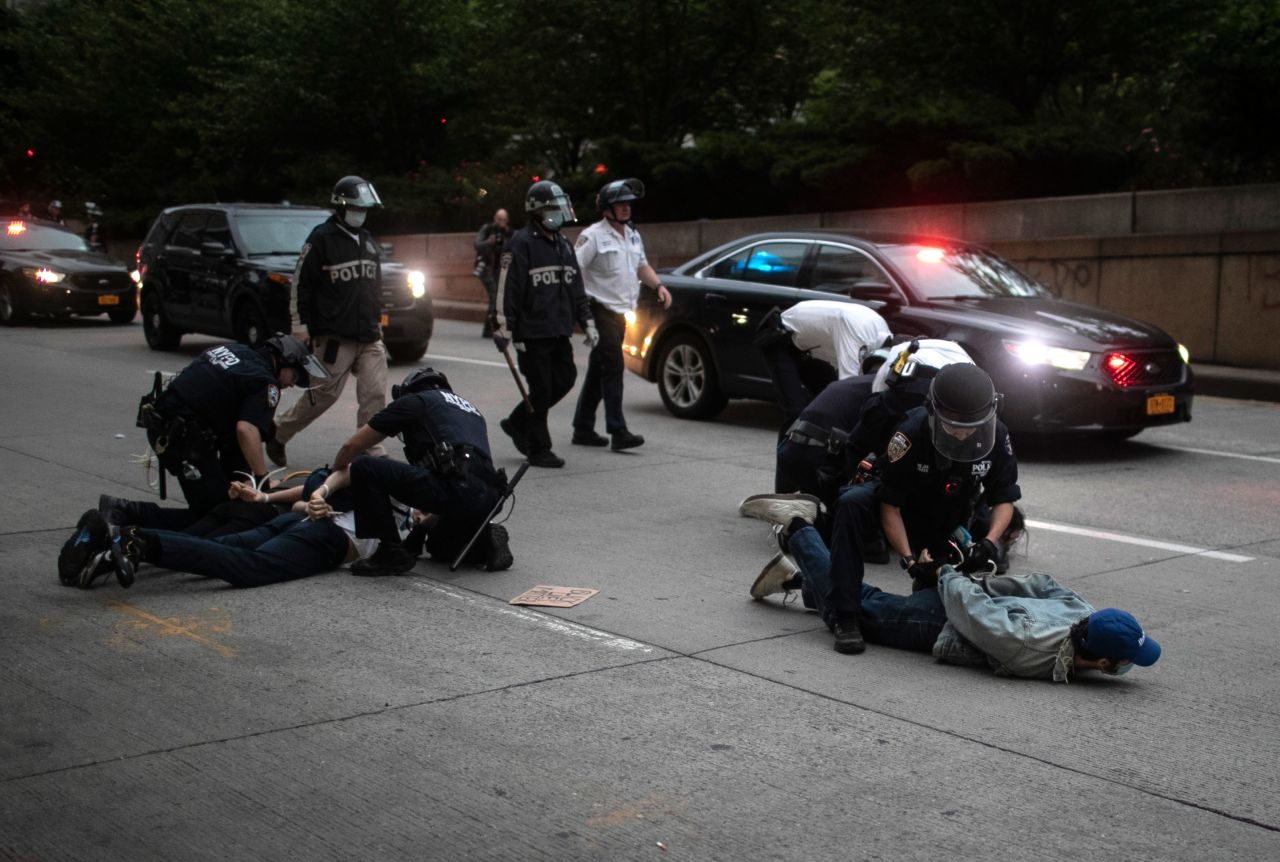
[{"x": 804, "y": 433}]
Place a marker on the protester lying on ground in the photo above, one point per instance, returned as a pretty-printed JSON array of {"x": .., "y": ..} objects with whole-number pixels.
[{"x": 1026, "y": 626}]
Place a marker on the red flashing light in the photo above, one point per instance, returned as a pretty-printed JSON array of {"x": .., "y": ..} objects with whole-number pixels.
[
  {"x": 536, "y": 178},
  {"x": 1122, "y": 368},
  {"x": 444, "y": 120},
  {"x": 16, "y": 228},
  {"x": 601, "y": 169},
  {"x": 31, "y": 154},
  {"x": 929, "y": 254}
]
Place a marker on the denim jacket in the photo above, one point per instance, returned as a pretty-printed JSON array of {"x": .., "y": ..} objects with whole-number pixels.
[{"x": 1019, "y": 624}]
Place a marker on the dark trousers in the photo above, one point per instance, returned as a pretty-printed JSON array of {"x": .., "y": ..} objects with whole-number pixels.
[
  {"x": 797, "y": 377},
  {"x": 286, "y": 548},
  {"x": 548, "y": 369},
  {"x": 854, "y": 524},
  {"x": 490, "y": 289},
  {"x": 603, "y": 380},
  {"x": 462, "y": 504},
  {"x": 203, "y": 480}
]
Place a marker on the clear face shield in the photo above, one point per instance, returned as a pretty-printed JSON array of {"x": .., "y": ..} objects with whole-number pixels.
[
  {"x": 365, "y": 196},
  {"x": 967, "y": 441},
  {"x": 557, "y": 213},
  {"x": 309, "y": 369}
]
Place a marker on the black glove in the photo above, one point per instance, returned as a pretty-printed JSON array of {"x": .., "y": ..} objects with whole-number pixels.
[
  {"x": 501, "y": 343},
  {"x": 984, "y": 556}
]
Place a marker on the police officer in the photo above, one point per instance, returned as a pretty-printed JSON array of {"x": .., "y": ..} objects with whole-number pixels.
[
  {"x": 539, "y": 297},
  {"x": 337, "y": 308},
  {"x": 949, "y": 464},
  {"x": 208, "y": 424},
  {"x": 93, "y": 235},
  {"x": 488, "y": 243},
  {"x": 450, "y": 474},
  {"x": 811, "y": 455},
  {"x": 611, "y": 255},
  {"x": 54, "y": 213}
]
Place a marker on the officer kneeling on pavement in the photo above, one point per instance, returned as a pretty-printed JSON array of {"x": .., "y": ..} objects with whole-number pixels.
[
  {"x": 949, "y": 472},
  {"x": 450, "y": 474},
  {"x": 209, "y": 423}
]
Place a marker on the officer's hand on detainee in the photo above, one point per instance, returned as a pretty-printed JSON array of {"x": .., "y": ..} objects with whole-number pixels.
[
  {"x": 984, "y": 556},
  {"x": 244, "y": 491}
]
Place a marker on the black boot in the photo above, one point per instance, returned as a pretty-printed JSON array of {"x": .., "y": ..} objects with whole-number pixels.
[
  {"x": 389, "y": 559},
  {"x": 78, "y": 558},
  {"x": 848, "y": 636}
]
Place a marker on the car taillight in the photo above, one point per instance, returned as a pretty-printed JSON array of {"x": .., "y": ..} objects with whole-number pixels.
[{"x": 1121, "y": 367}]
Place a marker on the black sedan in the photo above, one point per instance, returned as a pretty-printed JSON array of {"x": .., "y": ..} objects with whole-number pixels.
[
  {"x": 47, "y": 269},
  {"x": 1062, "y": 366}
]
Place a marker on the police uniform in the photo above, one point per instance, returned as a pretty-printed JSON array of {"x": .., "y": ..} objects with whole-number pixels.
[
  {"x": 812, "y": 456},
  {"x": 193, "y": 427},
  {"x": 337, "y": 294},
  {"x": 934, "y": 494},
  {"x": 450, "y": 471},
  {"x": 610, "y": 265},
  {"x": 540, "y": 297}
]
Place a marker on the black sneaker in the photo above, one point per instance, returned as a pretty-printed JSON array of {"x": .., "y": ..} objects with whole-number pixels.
[
  {"x": 589, "y": 438},
  {"x": 624, "y": 439},
  {"x": 499, "y": 558},
  {"x": 848, "y": 638},
  {"x": 114, "y": 510},
  {"x": 78, "y": 553},
  {"x": 387, "y": 560},
  {"x": 546, "y": 458},
  {"x": 126, "y": 553},
  {"x": 517, "y": 437}
]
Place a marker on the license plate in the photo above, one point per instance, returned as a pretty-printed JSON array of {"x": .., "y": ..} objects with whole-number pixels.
[
  {"x": 384, "y": 321},
  {"x": 108, "y": 299},
  {"x": 1158, "y": 405}
]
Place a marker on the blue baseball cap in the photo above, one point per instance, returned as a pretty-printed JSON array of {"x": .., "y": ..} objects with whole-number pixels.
[{"x": 1116, "y": 634}]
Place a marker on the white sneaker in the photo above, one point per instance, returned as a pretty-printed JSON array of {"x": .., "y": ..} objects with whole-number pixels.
[
  {"x": 775, "y": 573},
  {"x": 781, "y": 508}
]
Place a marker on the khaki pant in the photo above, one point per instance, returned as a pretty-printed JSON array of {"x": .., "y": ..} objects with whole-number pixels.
[{"x": 368, "y": 362}]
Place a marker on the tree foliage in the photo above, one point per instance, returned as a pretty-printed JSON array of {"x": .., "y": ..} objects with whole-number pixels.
[{"x": 723, "y": 108}]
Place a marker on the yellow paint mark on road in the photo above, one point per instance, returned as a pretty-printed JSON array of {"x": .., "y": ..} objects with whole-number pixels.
[
  {"x": 640, "y": 809},
  {"x": 197, "y": 628}
]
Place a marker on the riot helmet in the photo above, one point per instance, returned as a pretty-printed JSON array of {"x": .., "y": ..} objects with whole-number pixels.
[
  {"x": 962, "y": 405},
  {"x": 619, "y": 192},
  {"x": 420, "y": 381},
  {"x": 547, "y": 202},
  {"x": 354, "y": 193},
  {"x": 289, "y": 352},
  {"x": 919, "y": 359}
]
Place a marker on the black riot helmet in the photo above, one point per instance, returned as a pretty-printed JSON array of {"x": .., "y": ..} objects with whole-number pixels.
[
  {"x": 289, "y": 352},
  {"x": 420, "y": 381},
  {"x": 549, "y": 205},
  {"x": 354, "y": 191},
  {"x": 962, "y": 405},
  {"x": 619, "y": 192}
]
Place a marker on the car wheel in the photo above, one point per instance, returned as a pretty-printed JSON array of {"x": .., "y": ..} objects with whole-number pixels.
[
  {"x": 124, "y": 312},
  {"x": 410, "y": 351},
  {"x": 250, "y": 323},
  {"x": 160, "y": 334},
  {"x": 11, "y": 312},
  {"x": 687, "y": 378}
]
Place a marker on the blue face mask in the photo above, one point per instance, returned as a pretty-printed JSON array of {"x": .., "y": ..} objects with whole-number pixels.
[
  {"x": 1120, "y": 670},
  {"x": 553, "y": 219}
]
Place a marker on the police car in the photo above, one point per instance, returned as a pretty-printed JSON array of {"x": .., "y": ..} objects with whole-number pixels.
[
  {"x": 226, "y": 270},
  {"x": 47, "y": 269}
]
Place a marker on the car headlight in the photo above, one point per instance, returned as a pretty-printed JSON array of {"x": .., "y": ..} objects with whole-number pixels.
[
  {"x": 1185, "y": 354},
  {"x": 417, "y": 283},
  {"x": 1035, "y": 353},
  {"x": 43, "y": 275}
]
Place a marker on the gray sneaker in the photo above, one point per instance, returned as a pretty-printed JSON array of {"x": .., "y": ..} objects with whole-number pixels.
[
  {"x": 775, "y": 573},
  {"x": 781, "y": 508},
  {"x": 275, "y": 451}
]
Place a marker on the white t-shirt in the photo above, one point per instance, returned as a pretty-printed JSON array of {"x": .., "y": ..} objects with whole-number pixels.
[
  {"x": 933, "y": 353},
  {"x": 347, "y": 522},
  {"x": 842, "y": 333},
  {"x": 610, "y": 264}
]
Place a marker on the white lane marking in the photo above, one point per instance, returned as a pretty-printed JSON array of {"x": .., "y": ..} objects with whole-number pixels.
[
  {"x": 1134, "y": 540},
  {"x": 488, "y": 362},
  {"x": 1264, "y": 458},
  {"x": 573, "y": 630}
]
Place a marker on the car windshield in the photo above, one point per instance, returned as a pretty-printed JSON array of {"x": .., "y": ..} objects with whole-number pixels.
[
  {"x": 21, "y": 235},
  {"x": 277, "y": 232},
  {"x": 959, "y": 272}
]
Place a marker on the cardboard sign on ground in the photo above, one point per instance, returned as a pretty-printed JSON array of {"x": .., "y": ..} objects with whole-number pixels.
[{"x": 545, "y": 596}]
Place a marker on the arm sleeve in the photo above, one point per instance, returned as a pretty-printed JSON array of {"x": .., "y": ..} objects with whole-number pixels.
[
  {"x": 578, "y": 293},
  {"x": 513, "y": 275},
  {"x": 994, "y": 628},
  {"x": 392, "y": 419},
  {"x": 482, "y": 243},
  {"x": 258, "y": 408},
  {"x": 586, "y": 248},
  {"x": 306, "y": 277},
  {"x": 1001, "y": 484}
]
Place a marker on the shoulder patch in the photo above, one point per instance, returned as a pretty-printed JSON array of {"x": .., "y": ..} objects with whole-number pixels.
[
  {"x": 273, "y": 395},
  {"x": 582, "y": 240},
  {"x": 898, "y": 446}
]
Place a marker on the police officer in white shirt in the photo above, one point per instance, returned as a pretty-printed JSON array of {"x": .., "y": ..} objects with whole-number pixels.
[{"x": 611, "y": 257}]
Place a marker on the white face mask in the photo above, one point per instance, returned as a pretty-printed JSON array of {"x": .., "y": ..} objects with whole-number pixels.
[{"x": 354, "y": 218}]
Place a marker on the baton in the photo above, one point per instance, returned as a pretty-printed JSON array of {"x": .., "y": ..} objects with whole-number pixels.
[
  {"x": 524, "y": 393},
  {"x": 511, "y": 486}
]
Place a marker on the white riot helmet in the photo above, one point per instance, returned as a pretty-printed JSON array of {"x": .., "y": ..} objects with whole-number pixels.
[{"x": 922, "y": 362}]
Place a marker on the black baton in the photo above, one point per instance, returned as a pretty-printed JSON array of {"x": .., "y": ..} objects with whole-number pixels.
[{"x": 511, "y": 486}]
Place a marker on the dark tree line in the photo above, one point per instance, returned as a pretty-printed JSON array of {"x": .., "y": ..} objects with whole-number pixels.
[{"x": 723, "y": 108}]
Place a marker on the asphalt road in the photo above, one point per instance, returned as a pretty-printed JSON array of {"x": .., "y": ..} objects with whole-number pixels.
[{"x": 669, "y": 716}]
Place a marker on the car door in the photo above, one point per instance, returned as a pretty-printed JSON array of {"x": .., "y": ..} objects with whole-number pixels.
[
  {"x": 180, "y": 262},
  {"x": 846, "y": 270},
  {"x": 738, "y": 290},
  {"x": 211, "y": 282}
]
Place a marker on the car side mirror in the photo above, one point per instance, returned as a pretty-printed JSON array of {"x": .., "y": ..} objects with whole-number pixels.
[
  {"x": 213, "y": 248},
  {"x": 874, "y": 290}
]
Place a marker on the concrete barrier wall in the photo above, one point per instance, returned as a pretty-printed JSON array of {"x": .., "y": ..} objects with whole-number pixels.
[{"x": 1204, "y": 264}]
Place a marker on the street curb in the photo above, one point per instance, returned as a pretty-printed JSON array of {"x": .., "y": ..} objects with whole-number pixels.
[{"x": 1223, "y": 381}]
